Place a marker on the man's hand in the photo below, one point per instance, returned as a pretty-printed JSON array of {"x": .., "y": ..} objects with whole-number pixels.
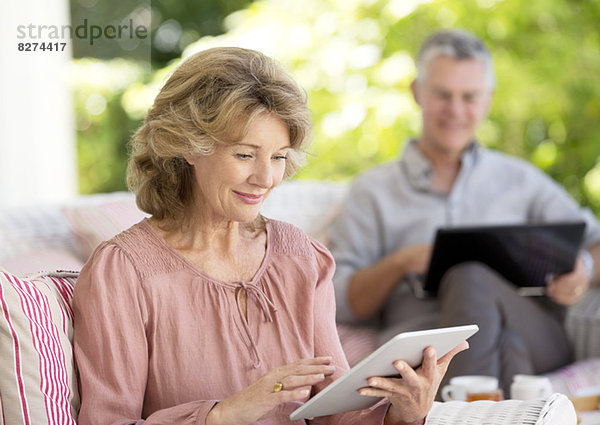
[
  {"x": 569, "y": 288},
  {"x": 415, "y": 258},
  {"x": 370, "y": 287}
]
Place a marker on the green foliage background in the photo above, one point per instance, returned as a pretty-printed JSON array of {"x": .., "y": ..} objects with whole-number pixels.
[{"x": 354, "y": 58}]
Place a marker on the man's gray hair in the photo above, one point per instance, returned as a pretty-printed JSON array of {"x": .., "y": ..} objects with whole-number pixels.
[{"x": 459, "y": 45}]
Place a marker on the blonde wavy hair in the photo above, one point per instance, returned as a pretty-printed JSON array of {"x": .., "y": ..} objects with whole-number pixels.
[{"x": 210, "y": 99}]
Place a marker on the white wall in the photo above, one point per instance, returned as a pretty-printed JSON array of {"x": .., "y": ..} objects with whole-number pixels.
[{"x": 37, "y": 137}]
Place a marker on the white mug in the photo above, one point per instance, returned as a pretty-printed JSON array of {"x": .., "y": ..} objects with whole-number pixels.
[
  {"x": 472, "y": 388},
  {"x": 529, "y": 387}
]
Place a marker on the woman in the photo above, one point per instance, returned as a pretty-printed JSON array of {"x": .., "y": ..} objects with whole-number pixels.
[{"x": 208, "y": 313}]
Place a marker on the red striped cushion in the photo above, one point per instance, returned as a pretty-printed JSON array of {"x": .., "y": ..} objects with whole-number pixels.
[
  {"x": 37, "y": 374},
  {"x": 577, "y": 377}
]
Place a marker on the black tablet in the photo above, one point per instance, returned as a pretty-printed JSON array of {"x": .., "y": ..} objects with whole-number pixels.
[{"x": 526, "y": 255}]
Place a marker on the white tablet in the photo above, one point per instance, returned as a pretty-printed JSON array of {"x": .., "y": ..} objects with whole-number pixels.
[{"x": 342, "y": 394}]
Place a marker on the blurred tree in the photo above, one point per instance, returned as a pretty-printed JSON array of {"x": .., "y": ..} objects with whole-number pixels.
[
  {"x": 172, "y": 25},
  {"x": 184, "y": 21},
  {"x": 355, "y": 59},
  {"x": 112, "y": 93},
  {"x": 104, "y": 123}
]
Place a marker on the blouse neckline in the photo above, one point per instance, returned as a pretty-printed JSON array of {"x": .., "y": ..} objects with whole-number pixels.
[{"x": 197, "y": 270}]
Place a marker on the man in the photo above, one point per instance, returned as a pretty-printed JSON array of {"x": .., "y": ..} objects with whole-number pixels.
[{"x": 445, "y": 178}]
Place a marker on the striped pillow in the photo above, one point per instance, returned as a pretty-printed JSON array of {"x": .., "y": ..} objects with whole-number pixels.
[{"x": 38, "y": 383}]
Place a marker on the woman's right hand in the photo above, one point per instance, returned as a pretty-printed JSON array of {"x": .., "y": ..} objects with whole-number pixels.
[{"x": 259, "y": 400}]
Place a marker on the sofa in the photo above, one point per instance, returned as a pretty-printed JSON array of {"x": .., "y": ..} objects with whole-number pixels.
[{"x": 45, "y": 245}]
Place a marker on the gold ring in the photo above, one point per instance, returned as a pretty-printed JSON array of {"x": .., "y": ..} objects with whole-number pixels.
[{"x": 277, "y": 387}]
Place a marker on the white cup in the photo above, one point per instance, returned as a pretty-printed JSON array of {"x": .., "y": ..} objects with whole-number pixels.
[
  {"x": 529, "y": 387},
  {"x": 471, "y": 388}
]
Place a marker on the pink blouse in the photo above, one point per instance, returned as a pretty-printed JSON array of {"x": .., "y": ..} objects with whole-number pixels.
[{"x": 158, "y": 341}]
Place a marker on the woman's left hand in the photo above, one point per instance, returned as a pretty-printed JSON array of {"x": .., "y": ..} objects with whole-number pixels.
[{"x": 412, "y": 395}]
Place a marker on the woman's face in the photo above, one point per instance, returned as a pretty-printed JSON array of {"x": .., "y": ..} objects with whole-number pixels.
[{"x": 233, "y": 182}]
